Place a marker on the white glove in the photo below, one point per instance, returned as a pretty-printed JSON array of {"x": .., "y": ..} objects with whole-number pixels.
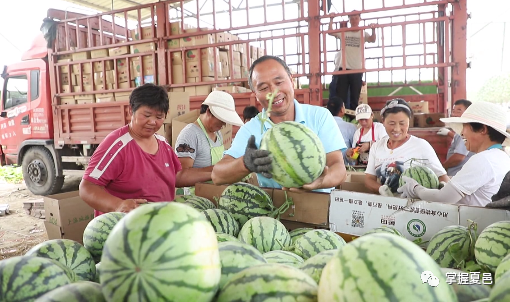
[
  {"x": 384, "y": 190},
  {"x": 407, "y": 190},
  {"x": 443, "y": 131}
]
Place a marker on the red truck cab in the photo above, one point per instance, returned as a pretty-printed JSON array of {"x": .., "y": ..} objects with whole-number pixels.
[{"x": 26, "y": 120}]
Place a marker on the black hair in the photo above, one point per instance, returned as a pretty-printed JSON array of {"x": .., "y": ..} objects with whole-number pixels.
[
  {"x": 265, "y": 58},
  {"x": 398, "y": 109},
  {"x": 250, "y": 112},
  {"x": 150, "y": 95},
  {"x": 203, "y": 109},
  {"x": 463, "y": 102},
  {"x": 494, "y": 135},
  {"x": 335, "y": 105}
]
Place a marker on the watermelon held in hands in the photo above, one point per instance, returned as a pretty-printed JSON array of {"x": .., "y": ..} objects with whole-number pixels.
[
  {"x": 298, "y": 156},
  {"x": 423, "y": 175},
  {"x": 161, "y": 252},
  {"x": 25, "y": 278}
]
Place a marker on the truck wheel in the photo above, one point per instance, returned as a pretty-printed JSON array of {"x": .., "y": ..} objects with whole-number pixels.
[{"x": 39, "y": 172}]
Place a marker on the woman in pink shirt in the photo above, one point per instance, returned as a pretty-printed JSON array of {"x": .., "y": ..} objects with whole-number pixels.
[{"x": 134, "y": 165}]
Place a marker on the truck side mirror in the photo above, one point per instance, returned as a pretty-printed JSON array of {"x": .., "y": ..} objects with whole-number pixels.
[{"x": 3, "y": 114}]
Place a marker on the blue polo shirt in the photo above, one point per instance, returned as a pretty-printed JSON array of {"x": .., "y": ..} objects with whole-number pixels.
[{"x": 318, "y": 119}]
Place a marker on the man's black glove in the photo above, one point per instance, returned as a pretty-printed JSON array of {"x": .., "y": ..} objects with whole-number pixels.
[
  {"x": 501, "y": 200},
  {"x": 255, "y": 160}
]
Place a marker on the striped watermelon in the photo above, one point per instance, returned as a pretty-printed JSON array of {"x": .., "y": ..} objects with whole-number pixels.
[
  {"x": 284, "y": 257},
  {"x": 245, "y": 201},
  {"x": 382, "y": 267},
  {"x": 467, "y": 292},
  {"x": 493, "y": 244},
  {"x": 69, "y": 253},
  {"x": 236, "y": 256},
  {"x": 296, "y": 233},
  {"x": 97, "y": 231},
  {"x": 265, "y": 234},
  {"x": 269, "y": 282},
  {"x": 501, "y": 290},
  {"x": 503, "y": 267},
  {"x": 441, "y": 243},
  {"x": 423, "y": 175},
  {"x": 25, "y": 278},
  {"x": 83, "y": 291},
  {"x": 313, "y": 266},
  {"x": 222, "y": 221},
  {"x": 222, "y": 237},
  {"x": 316, "y": 241},
  {"x": 384, "y": 229},
  {"x": 200, "y": 203},
  {"x": 297, "y": 154},
  {"x": 164, "y": 251}
]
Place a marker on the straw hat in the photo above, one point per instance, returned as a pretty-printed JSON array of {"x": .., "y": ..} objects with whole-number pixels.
[
  {"x": 485, "y": 113},
  {"x": 222, "y": 106}
]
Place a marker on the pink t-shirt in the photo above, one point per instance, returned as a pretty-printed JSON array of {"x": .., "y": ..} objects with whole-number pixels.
[{"x": 128, "y": 172}]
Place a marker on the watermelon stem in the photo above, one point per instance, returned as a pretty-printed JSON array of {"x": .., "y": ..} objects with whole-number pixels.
[
  {"x": 284, "y": 207},
  {"x": 266, "y": 114}
]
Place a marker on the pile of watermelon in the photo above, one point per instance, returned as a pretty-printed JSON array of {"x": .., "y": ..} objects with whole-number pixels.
[{"x": 193, "y": 250}]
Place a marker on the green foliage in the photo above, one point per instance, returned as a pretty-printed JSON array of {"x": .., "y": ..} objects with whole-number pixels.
[
  {"x": 495, "y": 90},
  {"x": 11, "y": 174}
]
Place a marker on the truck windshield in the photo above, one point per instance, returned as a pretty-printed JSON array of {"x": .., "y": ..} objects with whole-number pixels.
[{"x": 16, "y": 94}]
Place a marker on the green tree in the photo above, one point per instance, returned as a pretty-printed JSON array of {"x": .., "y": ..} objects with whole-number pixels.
[{"x": 495, "y": 90}]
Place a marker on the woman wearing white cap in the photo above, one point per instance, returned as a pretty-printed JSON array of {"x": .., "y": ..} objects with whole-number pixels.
[
  {"x": 199, "y": 146},
  {"x": 393, "y": 154},
  {"x": 483, "y": 127},
  {"x": 366, "y": 135}
]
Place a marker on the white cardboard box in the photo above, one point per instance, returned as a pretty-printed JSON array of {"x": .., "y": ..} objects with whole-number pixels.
[{"x": 355, "y": 213}]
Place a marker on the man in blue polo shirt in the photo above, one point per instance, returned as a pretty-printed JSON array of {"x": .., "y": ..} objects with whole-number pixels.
[{"x": 267, "y": 75}]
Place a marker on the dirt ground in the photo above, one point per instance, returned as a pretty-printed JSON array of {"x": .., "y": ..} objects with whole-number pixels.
[{"x": 19, "y": 231}]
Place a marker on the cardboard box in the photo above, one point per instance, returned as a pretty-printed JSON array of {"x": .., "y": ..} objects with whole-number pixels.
[
  {"x": 100, "y": 77},
  {"x": 177, "y": 76},
  {"x": 85, "y": 68},
  {"x": 309, "y": 208},
  {"x": 67, "y": 215},
  {"x": 355, "y": 213},
  {"x": 363, "y": 96},
  {"x": 104, "y": 97},
  {"x": 86, "y": 79},
  {"x": 207, "y": 69},
  {"x": 177, "y": 29},
  {"x": 227, "y": 133},
  {"x": 98, "y": 66},
  {"x": 419, "y": 107},
  {"x": 237, "y": 72},
  {"x": 143, "y": 47},
  {"x": 244, "y": 60},
  {"x": 121, "y": 96},
  {"x": 236, "y": 58},
  {"x": 174, "y": 43},
  {"x": 98, "y": 53},
  {"x": 427, "y": 120},
  {"x": 86, "y": 88},
  {"x": 178, "y": 105},
  {"x": 118, "y": 51},
  {"x": 67, "y": 100},
  {"x": 86, "y": 101},
  {"x": 148, "y": 66},
  {"x": 203, "y": 89},
  {"x": 254, "y": 52},
  {"x": 192, "y": 90},
  {"x": 147, "y": 33},
  {"x": 80, "y": 97},
  {"x": 230, "y": 89},
  {"x": 64, "y": 79},
  {"x": 82, "y": 55},
  {"x": 207, "y": 54},
  {"x": 64, "y": 69}
]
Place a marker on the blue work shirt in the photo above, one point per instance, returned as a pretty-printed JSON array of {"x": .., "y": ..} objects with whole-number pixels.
[
  {"x": 347, "y": 130},
  {"x": 318, "y": 119}
]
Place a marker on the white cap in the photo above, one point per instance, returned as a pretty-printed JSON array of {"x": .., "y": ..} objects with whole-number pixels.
[
  {"x": 486, "y": 113},
  {"x": 222, "y": 106},
  {"x": 363, "y": 111}
]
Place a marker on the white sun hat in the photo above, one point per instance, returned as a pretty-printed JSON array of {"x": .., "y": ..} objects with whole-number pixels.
[
  {"x": 363, "y": 111},
  {"x": 485, "y": 113},
  {"x": 222, "y": 106}
]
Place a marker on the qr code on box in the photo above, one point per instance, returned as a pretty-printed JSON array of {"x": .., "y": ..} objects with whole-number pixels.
[{"x": 358, "y": 219}]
